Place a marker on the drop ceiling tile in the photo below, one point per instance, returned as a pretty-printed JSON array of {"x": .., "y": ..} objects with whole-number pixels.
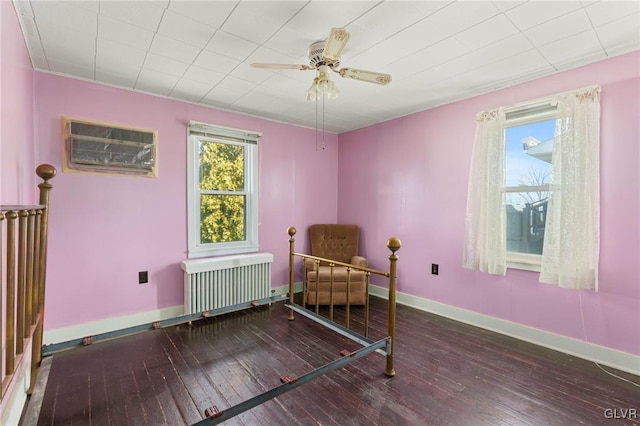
[
  {"x": 68, "y": 46},
  {"x": 604, "y": 12},
  {"x": 71, "y": 69},
  {"x": 500, "y": 50},
  {"x": 425, "y": 59},
  {"x": 317, "y": 18},
  {"x": 255, "y": 75},
  {"x": 89, "y": 5},
  {"x": 580, "y": 45},
  {"x": 187, "y": 30},
  {"x": 65, "y": 16},
  {"x": 622, "y": 35},
  {"x": 487, "y": 32},
  {"x": 285, "y": 84},
  {"x": 221, "y": 97},
  {"x": 211, "y": 13},
  {"x": 504, "y": 5},
  {"x": 174, "y": 49},
  {"x": 203, "y": 75},
  {"x": 440, "y": 25},
  {"x": 190, "y": 90},
  {"x": 165, "y": 65},
  {"x": 257, "y": 21},
  {"x": 387, "y": 19},
  {"x": 292, "y": 43},
  {"x": 116, "y": 79},
  {"x": 216, "y": 62},
  {"x": 114, "y": 57},
  {"x": 231, "y": 46},
  {"x": 559, "y": 28},
  {"x": 535, "y": 13},
  {"x": 236, "y": 84},
  {"x": 460, "y": 16},
  {"x": 156, "y": 82},
  {"x": 142, "y": 14},
  {"x": 123, "y": 32}
]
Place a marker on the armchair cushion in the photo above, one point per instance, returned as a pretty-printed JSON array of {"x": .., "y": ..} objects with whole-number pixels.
[
  {"x": 335, "y": 242},
  {"x": 339, "y": 243}
]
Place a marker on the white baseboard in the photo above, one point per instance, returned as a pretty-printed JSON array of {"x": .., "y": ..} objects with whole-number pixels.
[
  {"x": 606, "y": 356},
  {"x": 284, "y": 289},
  {"x": 65, "y": 334}
]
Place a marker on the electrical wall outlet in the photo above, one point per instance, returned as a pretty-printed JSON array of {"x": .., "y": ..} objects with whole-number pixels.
[
  {"x": 434, "y": 268},
  {"x": 143, "y": 277}
]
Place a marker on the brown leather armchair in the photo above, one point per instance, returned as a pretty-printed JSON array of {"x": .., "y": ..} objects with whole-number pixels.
[{"x": 339, "y": 243}]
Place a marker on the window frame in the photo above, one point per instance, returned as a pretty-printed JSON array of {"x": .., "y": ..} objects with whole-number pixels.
[
  {"x": 196, "y": 133},
  {"x": 521, "y": 115}
]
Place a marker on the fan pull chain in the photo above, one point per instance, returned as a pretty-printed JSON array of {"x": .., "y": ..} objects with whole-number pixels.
[{"x": 323, "y": 121}]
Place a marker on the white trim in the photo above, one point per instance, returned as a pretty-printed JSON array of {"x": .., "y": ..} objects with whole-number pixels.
[
  {"x": 64, "y": 334},
  {"x": 284, "y": 289},
  {"x": 199, "y": 126},
  {"x": 193, "y": 266},
  {"x": 590, "y": 351},
  {"x": 251, "y": 192},
  {"x": 545, "y": 100}
]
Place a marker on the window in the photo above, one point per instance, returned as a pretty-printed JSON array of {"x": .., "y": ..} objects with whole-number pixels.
[
  {"x": 222, "y": 190},
  {"x": 528, "y": 142},
  {"x": 90, "y": 146},
  {"x": 560, "y": 213}
]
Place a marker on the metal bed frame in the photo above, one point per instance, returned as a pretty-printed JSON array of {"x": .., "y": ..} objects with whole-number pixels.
[{"x": 384, "y": 345}]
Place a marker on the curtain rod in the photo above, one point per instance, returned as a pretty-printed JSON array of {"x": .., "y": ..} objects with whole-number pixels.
[{"x": 547, "y": 99}]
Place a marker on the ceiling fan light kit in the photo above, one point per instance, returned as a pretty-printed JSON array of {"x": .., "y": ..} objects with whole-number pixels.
[
  {"x": 322, "y": 86},
  {"x": 324, "y": 57}
]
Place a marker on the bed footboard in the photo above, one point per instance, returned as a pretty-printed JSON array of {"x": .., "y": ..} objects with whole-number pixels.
[{"x": 393, "y": 244}]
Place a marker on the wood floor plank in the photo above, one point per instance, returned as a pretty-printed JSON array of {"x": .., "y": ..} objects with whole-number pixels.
[{"x": 447, "y": 373}]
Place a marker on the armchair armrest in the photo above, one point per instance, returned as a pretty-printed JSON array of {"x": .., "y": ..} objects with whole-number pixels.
[{"x": 359, "y": 261}]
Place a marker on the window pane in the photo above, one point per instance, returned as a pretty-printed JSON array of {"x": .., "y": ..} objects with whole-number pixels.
[
  {"x": 528, "y": 164},
  {"x": 222, "y": 218},
  {"x": 221, "y": 166},
  {"x": 525, "y": 224}
]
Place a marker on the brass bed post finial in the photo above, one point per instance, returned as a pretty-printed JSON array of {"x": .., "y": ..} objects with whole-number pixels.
[
  {"x": 291, "y": 231},
  {"x": 394, "y": 245}
]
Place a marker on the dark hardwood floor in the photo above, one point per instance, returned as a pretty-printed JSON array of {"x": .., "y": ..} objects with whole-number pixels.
[{"x": 447, "y": 373}]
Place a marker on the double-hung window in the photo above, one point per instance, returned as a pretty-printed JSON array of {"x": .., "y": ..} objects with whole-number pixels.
[
  {"x": 529, "y": 134},
  {"x": 533, "y": 200},
  {"x": 222, "y": 190}
]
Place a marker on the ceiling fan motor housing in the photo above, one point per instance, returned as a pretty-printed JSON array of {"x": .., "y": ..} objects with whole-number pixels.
[{"x": 315, "y": 55}]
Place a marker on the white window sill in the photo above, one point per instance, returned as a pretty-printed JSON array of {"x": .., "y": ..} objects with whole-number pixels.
[{"x": 525, "y": 262}]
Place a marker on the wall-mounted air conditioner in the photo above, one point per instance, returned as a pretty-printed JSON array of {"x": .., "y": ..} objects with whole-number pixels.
[{"x": 107, "y": 148}]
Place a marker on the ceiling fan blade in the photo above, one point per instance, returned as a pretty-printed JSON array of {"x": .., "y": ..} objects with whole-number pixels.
[
  {"x": 369, "y": 76},
  {"x": 281, "y": 66},
  {"x": 338, "y": 38}
]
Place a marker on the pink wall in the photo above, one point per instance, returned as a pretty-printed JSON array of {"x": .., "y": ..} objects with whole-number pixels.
[
  {"x": 17, "y": 164},
  {"x": 413, "y": 184},
  {"x": 105, "y": 228}
]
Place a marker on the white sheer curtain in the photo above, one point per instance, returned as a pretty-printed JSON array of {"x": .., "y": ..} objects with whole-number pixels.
[
  {"x": 485, "y": 234},
  {"x": 572, "y": 233}
]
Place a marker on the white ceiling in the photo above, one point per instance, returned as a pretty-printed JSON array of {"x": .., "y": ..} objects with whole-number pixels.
[{"x": 436, "y": 51}]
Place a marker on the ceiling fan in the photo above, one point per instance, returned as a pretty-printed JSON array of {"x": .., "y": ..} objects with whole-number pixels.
[{"x": 324, "y": 56}]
